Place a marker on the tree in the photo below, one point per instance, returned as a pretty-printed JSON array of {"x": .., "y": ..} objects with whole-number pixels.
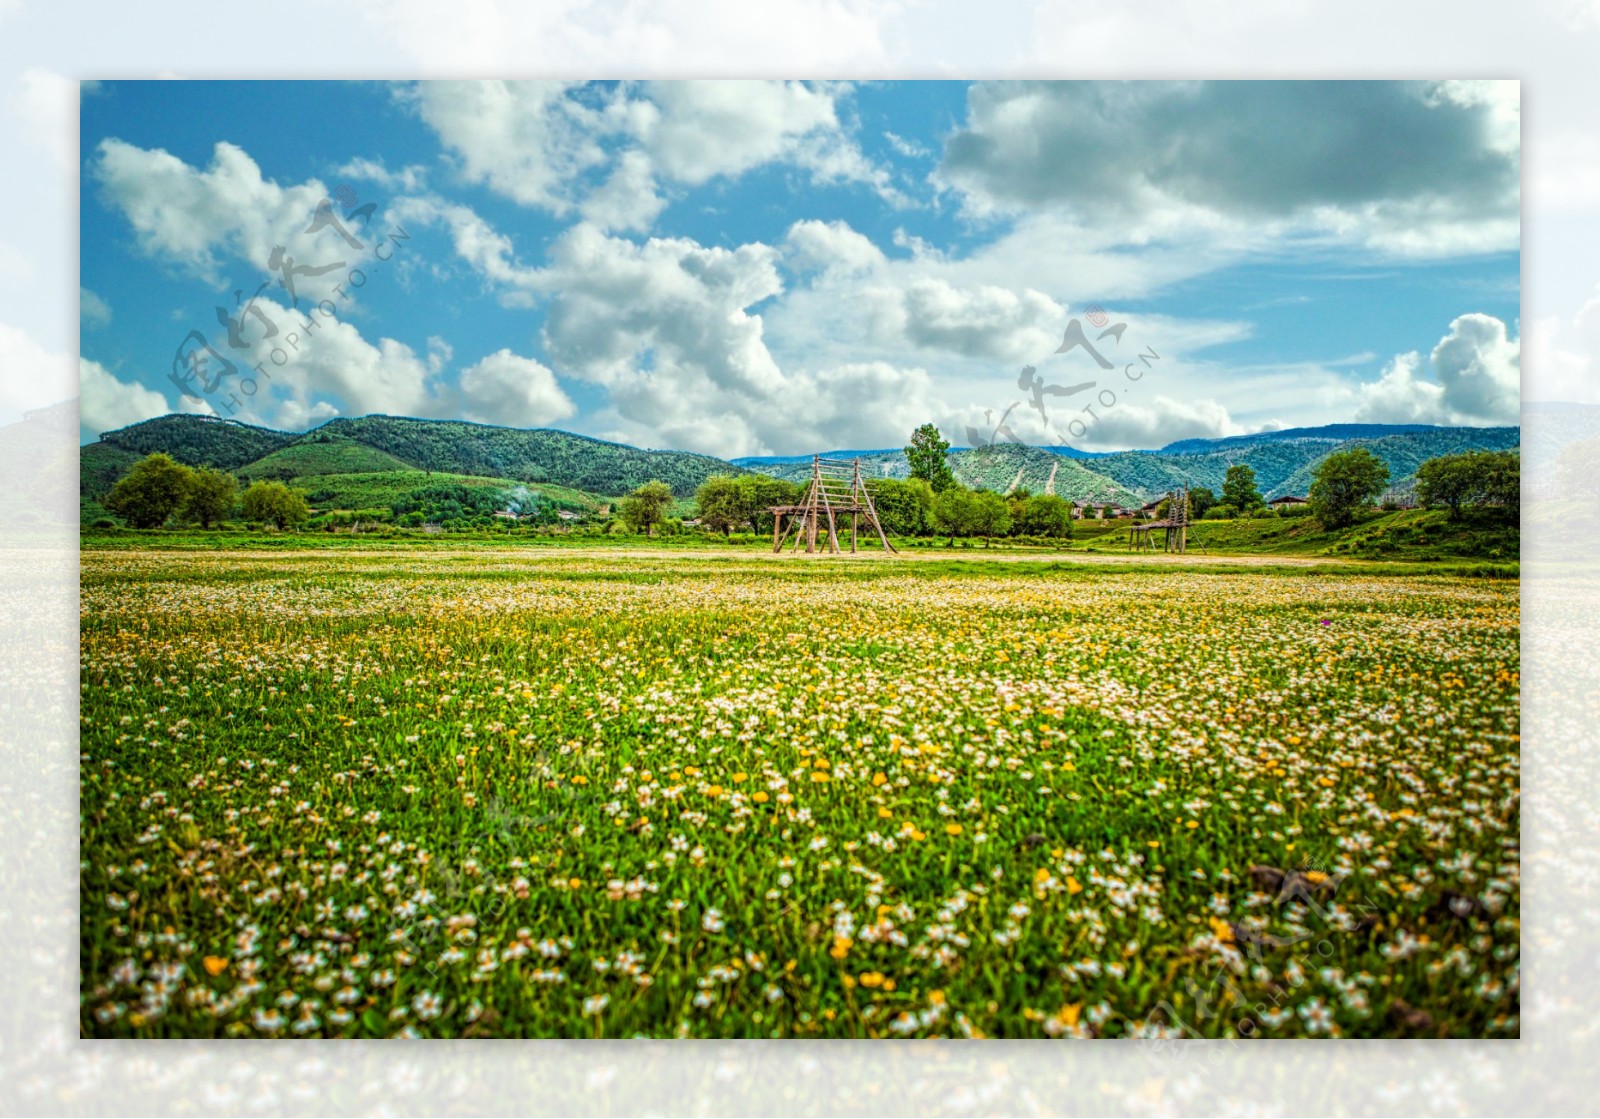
[
  {"x": 723, "y": 503},
  {"x": 1502, "y": 479},
  {"x": 211, "y": 495},
  {"x": 904, "y": 506},
  {"x": 1239, "y": 488},
  {"x": 644, "y": 509},
  {"x": 955, "y": 512},
  {"x": 761, "y": 492},
  {"x": 1017, "y": 502},
  {"x": 991, "y": 516},
  {"x": 1343, "y": 483},
  {"x": 154, "y": 488},
  {"x": 1200, "y": 499},
  {"x": 1492, "y": 478},
  {"x": 1446, "y": 481},
  {"x": 926, "y": 454},
  {"x": 1045, "y": 514},
  {"x": 274, "y": 503}
]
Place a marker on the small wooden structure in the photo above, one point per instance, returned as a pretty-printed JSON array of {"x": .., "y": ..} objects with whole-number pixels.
[
  {"x": 836, "y": 489},
  {"x": 1174, "y": 527}
]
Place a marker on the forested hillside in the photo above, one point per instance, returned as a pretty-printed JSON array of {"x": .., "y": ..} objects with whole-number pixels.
[
  {"x": 1286, "y": 466},
  {"x": 1003, "y": 466},
  {"x": 375, "y": 444},
  {"x": 528, "y": 456},
  {"x": 199, "y": 440}
]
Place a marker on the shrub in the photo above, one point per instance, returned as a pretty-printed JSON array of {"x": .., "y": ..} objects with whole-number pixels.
[
  {"x": 1046, "y": 515},
  {"x": 274, "y": 503}
]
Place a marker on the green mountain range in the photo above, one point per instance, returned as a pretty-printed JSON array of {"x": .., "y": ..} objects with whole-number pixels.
[
  {"x": 382, "y": 444},
  {"x": 997, "y": 467},
  {"x": 374, "y": 460},
  {"x": 1284, "y": 462},
  {"x": 1286, "y": 466}
]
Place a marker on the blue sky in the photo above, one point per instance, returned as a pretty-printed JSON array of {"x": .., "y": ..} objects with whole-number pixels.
[{"x": 749, "y": 268}]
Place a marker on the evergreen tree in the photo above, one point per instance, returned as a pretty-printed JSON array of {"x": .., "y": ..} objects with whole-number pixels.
[
  {"x": 926, "y": 454},
  {"x": 1239, "y": 488}
]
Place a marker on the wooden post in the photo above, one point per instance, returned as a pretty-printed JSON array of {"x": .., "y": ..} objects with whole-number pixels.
[
  {"x": 777, "y": 532},
  {"x": 1181, "y": 519},
  {"x": 811, "y": 510},
  {"x": 857, "y": 491}
]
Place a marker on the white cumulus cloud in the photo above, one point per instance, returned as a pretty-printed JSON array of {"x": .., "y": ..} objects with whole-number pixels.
[
  {"x": 512, "y": 391},
  {"x": 188, "y": 215},
  {"x": 831, "y": 246},
  {"x": 977, "y": 321},
  {"x": 1413, "y": 168},
  {"x": 106, "y": 402},
  {"x": 1472, "y": 377},
  {"x": 526, "y": 140},
  {"x": 613, "y": 155},
  {"x": 670, "y": 329}
]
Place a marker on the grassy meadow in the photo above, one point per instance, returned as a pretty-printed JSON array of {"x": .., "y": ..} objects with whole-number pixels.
[{"x": 489, "y": 791}]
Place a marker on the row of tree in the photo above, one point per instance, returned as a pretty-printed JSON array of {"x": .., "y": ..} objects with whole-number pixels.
[
  {"x": 157, "y": 489},
  {"x": 906, "y": 507},
  {"x": 1348, "y": 481},
  {"x": 958, "y": 511}
]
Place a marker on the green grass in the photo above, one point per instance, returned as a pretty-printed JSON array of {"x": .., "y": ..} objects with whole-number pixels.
[
  {"x": 99, "y": 467},
  {"x": 1414, "y": 540},
  {"x": 322, "y": 457},
  {"x": 1403, "y": 535},
  {"x": 545, "y": 792},
  {"x": 365, "y": 491}
]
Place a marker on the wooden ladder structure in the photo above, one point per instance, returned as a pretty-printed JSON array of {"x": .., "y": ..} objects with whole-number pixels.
[
  {"x": 836, "y": 489},
  {"x": 1174, "y": 526}
]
